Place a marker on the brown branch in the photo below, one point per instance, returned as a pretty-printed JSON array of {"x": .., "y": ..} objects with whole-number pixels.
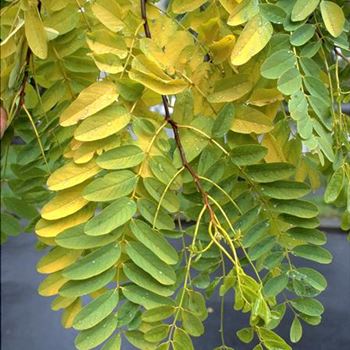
[{"x": 175, "y": 129}]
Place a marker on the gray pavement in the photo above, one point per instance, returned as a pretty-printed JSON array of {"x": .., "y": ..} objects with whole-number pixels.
[{"x": 27, "y": 322}]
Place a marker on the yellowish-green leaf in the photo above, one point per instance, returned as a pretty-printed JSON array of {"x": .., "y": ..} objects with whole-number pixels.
[
  {"x": 122, "y": 157},
  {"x": 302, "y": 9},
  {"x": 90, "y": 101},
  {"x": 248, "y": 120},
  {"x": 71, "y": 174},
  {"x": 112, "y": 186},
  {"x": 35, "y": 32},
  {"x": 65, "y": 203},
  {"x": 254, "y": 37},
  {"x": 51, "y": 228},
  {"x": 111, "y": 217},
  {"x": 242, "y": 12},
  {"x": 57, "y": 259},
  {"x": 51, "y": 284},
  {"x": 109, "y": 13},
  {"x": 333, "y": 17},
  {"x": 181, "y": 6},
  {"x": 230, "y": 89},
  {"x": 104, "y": 123}
]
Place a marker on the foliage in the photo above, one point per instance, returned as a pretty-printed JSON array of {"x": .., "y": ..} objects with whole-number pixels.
[{"x": 124, "y": 120}]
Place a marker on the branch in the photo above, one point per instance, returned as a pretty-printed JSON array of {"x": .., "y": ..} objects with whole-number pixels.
[{"x": 175, "y": 129}]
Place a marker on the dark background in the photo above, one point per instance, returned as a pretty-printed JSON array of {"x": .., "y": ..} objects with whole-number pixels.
[{"x": 28, "y": 323}]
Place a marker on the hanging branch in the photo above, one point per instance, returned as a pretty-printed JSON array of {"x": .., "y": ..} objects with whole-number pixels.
[{"x": 175, "y": 128}]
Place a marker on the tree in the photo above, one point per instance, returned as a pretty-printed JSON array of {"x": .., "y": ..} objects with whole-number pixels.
[{"x": 206, "y": 124}]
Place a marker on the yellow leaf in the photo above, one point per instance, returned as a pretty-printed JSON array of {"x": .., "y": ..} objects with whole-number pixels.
[
  {"x": 274, "y": 149},
  {"x": 65, "y": 203},
  {"x": 149, "y": 74},
  {"x": 109, "y": 13},
  {"x": 108, "y": 63},
  {"x": 51, "y": 284},
  {"x": 35, "y": 32},
  {"x": 249, "y": 120},
  {"x": 333, "y": 17},
  {"x": 91, "y": 100},
  {"x": 51, "y": 228},
  {"x": 254, "y": 37},
  {"x": 71, "y": 174},
  {"x": 181, "y": 6},
  {"x": 103, "y": 41},
  {"x": 221, "y": 49},
  {"x": 57, "y": 259},
  {"x": 70, "y": 313},
  {"x": 102, "y": 124},
  {"x": 242, "y": 12}
]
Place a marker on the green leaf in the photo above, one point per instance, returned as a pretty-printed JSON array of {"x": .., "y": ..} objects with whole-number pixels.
[
  {"x": 157, "y": 333},
  {"x": 102, "y": 124},
  {"x": 310, "y": 277},
  {"x": 308, "y": 306},
  {"x": 224, "y": 120},
  {"x": 308, "y": 235},
  {"x": 261, "y": 248},
  {"x": 156, "y": 189},
  {"x": 94, "y": 263},
  {"x": 20, "y": 208},
  {"x": 75, "y": 238},
  {"x": 302, "y": 9},
  {"x": 269, "y": 172},
  {"x": 296, "y": 330},
  {"x": 111, "y": 186},
  {"x": 158, "y": 314},
  {"x": 255, "y": 233},
  {"x": 313, "y": 253},
  {"x": 154, "y": 241},
  {"x": 275, "y": 285},
  {"x": 114, "y": 343},
  {"x": 245, "y": 335},
  {"x": 247, "y": 154},
  {"x": 254, "y": 37},
  {"x": 10, "y": 225},
  {"x": 182, "y": 340},
  {"x": 148, "y": 209},
  {"x": 289, "y": 82},
  {"x": 90, "y": 338},
  {"x": 144, "y": 297},
  {"x": 143, "y": 279},
  {"x": 136, "y": 338},
  {"x": 277, "y": 64},
  {"x": 192, "y": 324},
  {"x": 149, "y": 262},
  {"x": 333, "y": 17},
  {"x": 164, "y": 170},
  {"x": 296, "y": 207},
  {"x": 272, "y": 13},
  {"x": 111, "y": 217},
  {"x": 334, "y": 186},
  {"x": 122, "y": 157},
  {"x": 302, "y": 35},
  {"x": 96, "y": 311},
  {"x": 83, "y": 287},
  {"x": 285, "y": 189},
  {"x": 272, "y": 341}
]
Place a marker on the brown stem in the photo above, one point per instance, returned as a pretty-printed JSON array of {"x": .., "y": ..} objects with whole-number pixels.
[{"x": 175, "y": 129}]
